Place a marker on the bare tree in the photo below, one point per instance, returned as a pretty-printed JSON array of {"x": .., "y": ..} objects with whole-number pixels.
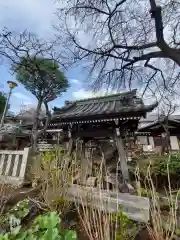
[
  {"x": 125, "y": 42},
  {"x": 166, "y": 108}
]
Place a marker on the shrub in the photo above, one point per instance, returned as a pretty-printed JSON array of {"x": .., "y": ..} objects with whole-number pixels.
[
  {"x": 173, "y": 163},
  {"x": 44, "y": 227},
  {"x": 125, "y": 228}
]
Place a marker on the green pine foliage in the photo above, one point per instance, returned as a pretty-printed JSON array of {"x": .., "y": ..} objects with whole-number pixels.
[
  {"x": 42, "y": 77},
  {"x": 2, "y": 102}
]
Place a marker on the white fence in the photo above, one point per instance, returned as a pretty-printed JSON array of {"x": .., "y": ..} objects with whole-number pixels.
[{"x": 13, "y": 166}]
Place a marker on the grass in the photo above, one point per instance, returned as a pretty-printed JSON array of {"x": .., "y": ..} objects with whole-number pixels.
[
  {"x": 98, "y": 224},
  {"x": 5, "y": 192},
  {"x": 160, "y": 228},
  {"x": 54, "y": 177}
]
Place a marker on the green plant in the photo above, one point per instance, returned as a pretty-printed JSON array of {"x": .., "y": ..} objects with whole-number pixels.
[
  {"x": 158, "y": 165},
  {"x": 44, "y": 227},
  {"x": 21, "y": 209},
  {"x": 125, "y": 228},
  {"x": 162, "y": 227},
  {"x": 173, "y": 163},
  {"x": 3, "y": 99},
  {"x": 12, "y": 219},
  {"x": 51, "y": 170}
]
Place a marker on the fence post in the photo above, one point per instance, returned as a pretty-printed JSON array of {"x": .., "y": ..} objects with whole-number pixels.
[
  {"x": 16, "y": 161},
  {"x": 9, "y": 162},
  {"x": 24, "y": 163},
  {"x": 2, "y": 159}
]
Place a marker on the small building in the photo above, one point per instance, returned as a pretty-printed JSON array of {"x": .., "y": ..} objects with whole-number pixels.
[
  {"x": 154, "y": 134},
  {"x": 13, "y": 136},
  {"x": 16, "y": 131},
  {"x": 109, "y": 117}
]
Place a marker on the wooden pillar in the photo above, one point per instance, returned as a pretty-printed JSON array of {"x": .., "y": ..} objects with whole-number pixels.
[
  {"x": 58, "y": 138},
  {"x": 83, "y": 164},
  {"x": 67, "y": 163},
  {"x": 122, "y": 157},
  {"x": 89, "y": 160},
  {"x": 86, "y": 163},
  {"x": 70, "y": 146},
  {"x": 151, "y": 142}
]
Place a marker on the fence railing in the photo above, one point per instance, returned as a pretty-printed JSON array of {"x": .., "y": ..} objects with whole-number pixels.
[{"x": 13, "y": 166}]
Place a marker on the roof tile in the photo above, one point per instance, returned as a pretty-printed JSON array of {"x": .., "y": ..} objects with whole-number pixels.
[{"x": 116, "y": 104}]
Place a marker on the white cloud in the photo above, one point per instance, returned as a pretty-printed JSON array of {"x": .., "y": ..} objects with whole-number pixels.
[
  {"x": 24, "y": 100},
  {"x": 35, "y": 15},
  {"x": 75, "y": 81},
  {"x": 21, "y": 96},
  {"x": 81, "y": 94}
]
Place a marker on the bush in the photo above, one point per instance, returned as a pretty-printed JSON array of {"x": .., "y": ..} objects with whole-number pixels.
[
  {"x": 171, "y": 164},
  {"x": 159, "y": 165},
  {"x": 44, "y": 227}
]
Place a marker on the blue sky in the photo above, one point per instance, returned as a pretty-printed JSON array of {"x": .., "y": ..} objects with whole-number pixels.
[{"x": 36, "y": 16}]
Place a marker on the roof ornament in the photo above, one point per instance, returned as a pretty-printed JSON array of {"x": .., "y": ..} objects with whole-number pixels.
[{"x": 67, "y": 103}]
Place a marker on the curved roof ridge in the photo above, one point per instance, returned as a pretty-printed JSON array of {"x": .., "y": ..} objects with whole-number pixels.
[
  {"x": 72, "y": 103},
  {"x": 132, "y": 92}
]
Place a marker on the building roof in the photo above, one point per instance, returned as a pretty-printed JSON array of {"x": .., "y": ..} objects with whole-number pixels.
[
  {"x": 122, "y": 105},
  {"x": 13, "y": 129},
  {"x": 154, "y": 117},
  {"x": 150, "y": 118},
  {"x": 173, "y": 122}
]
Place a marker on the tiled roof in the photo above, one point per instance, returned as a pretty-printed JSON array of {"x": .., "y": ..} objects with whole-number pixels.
[
  {"x": 121, "y": 104},
  {"x": 150, "y": 118},
  {"x": 154, "y": 117},
  {"x": 158, "y": 122}
]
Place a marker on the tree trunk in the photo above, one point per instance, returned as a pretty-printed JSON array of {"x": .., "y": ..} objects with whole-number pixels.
[
  {"x": 167, "y": 137},
  {"x": 35, "y": 127},
  {"x": 34, "y": 141}
]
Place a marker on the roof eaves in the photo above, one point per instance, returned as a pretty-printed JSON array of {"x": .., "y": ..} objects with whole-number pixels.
[
  {"x": 149, "y": 108},
  {"x": 160, "y": 120}
]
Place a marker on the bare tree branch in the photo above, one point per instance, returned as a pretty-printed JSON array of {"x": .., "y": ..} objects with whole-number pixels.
[{"x": 124, "y": 43}]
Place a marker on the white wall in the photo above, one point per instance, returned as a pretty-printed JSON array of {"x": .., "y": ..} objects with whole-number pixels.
[
  {"x": 174, "y": 143},
  {"x": 143, "y": 140},
  {"x": 151, "y": 141}
]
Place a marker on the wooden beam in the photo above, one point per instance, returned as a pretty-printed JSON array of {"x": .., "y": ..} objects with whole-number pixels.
[
  {"x": 122, "y": 157},
  {"x": 54, "y": 130},
  {"x": 84, "y": 164},
  {"x": 94, "y": 133},
  {"x": 137, "y": 208},
  {"x": 70, "y": 146}
]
